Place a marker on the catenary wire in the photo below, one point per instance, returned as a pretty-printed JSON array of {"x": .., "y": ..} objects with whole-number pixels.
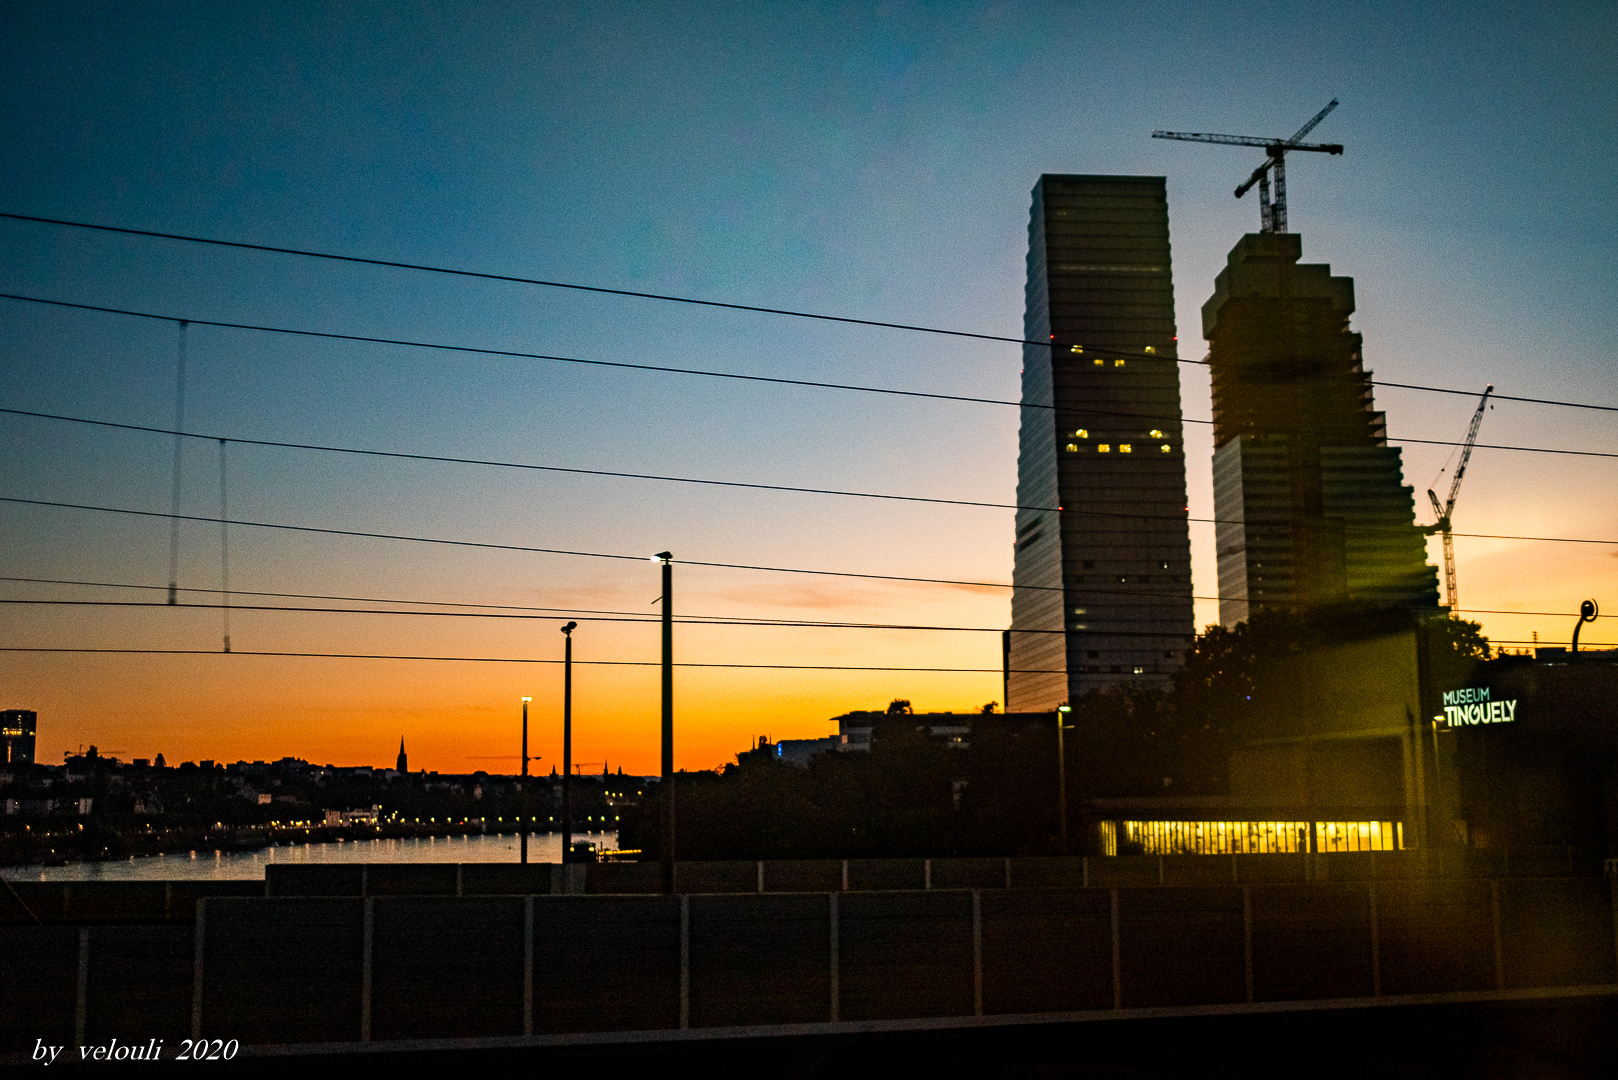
[
  {"x": 570, "y": 612},
  {"x": 853, "y": 387},
  {"x": 512, "y": 660},
  {"x": 483, "y": 275},
  {"x": 490, "y": 545},
  {"x": 659, "y": 478}
]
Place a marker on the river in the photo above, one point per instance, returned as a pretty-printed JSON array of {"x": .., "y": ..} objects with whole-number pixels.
[{"x": 249, "y": 865}]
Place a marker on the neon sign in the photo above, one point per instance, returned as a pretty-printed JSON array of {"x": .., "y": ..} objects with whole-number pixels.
[{"x": 1474, "y": 705}]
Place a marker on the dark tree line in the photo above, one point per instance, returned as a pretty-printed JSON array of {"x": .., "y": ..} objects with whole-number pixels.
[{"x": 914, "y": 796}]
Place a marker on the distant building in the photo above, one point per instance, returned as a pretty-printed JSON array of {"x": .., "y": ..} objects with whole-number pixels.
[
  {"x": 403, "y": 765},
  {"x": 17, "y": 736},
  {"x": 1310, "y": 499},
  {"x": 793, "y": 752},
  {"x": 952, "y": 729},
  {"x": 1102, "y": 587}
]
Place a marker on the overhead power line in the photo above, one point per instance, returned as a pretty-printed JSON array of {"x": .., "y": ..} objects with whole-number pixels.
[
  {"x": 697, "y": 620},
  {"x": 656, "y": 477},
  {"x": 514, "y": 660},
  {"x": 490, "y": 545},
  {"x": 577, "y": 287}
]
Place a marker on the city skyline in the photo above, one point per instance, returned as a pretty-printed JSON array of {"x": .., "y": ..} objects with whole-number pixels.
[{"x": 869, "y": 165}]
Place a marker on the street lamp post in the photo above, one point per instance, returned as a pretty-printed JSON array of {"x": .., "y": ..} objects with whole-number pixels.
[
  {"x": 1061, "y": 778},
  {"x": 567, "y": 742},
  {"x": 522, "y": 821},
  {"x": 667, "y": 845}
]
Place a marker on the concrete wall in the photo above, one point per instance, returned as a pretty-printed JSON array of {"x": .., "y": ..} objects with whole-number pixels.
[{"x": 278, "y": 970}]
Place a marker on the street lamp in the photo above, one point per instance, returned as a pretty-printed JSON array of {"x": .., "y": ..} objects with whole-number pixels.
[
  {"x": 567, "y": 741},
  {"x": 667, "y": 559},
  {"x": 1061, "y": 777},
  {"x": 522, "y": 825}
]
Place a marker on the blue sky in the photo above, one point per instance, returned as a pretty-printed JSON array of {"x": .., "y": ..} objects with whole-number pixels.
[{"x": 865, "y": 160}]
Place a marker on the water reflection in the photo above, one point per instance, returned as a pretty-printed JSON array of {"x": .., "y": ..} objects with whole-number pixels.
[{"x": 249, "y": 865}]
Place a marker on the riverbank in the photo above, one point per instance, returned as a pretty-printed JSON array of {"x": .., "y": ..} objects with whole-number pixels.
[{"x": 220, "y": 863}]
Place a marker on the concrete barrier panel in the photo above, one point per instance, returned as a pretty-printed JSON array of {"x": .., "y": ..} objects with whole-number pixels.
[
  {"x": 505, "y": 879},
  {"x": 867, "y": 875},
  {"x": 410, "y": 879},
  {"x": 1268, "y": 869},
  {"x": 718, "y": 877},
  {"x": 905, "y": 954},
  {"x": 139, "y": 984},
  {"x": 969, "y": 874},
  {"x": 1182, "y": 946},
  {"x": 1122, "y": 871},
  {"x": 803, "y": 875},
  {"x": 606, "y": 963},
  {"x": 1199, "y": 870},
  {"x": 446, "y": 967},
  {"x": 760, "y": 959},
  {"x": 1436, "y": 936},
  {"x": 1048, "y": 872},
  {"x": 1311, "y": 941},
  {"x": 39, "y": 979},
  {"x": 313, "y": 879},
  {"x": 283, "y": 970},
  {"x": 1047, "y": 950},
  {"x": 1557, "y": 932},
  {"x": 646, "y": 877}
]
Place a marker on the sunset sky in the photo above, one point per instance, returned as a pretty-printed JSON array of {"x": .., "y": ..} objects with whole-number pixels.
[{"x": 870, "y": 161}]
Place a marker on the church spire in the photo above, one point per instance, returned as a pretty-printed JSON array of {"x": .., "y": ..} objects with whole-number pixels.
[{"x": 404, "y": 762}]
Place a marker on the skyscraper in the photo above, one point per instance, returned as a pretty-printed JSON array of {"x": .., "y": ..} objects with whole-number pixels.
[
  {"x": 17, "y": 736},
  {"x": 1311, "y": 501},
  {"x": 1102, "y": 585}
]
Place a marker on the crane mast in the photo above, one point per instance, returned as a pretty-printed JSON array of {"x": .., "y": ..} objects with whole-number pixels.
[
  {"x": 1443, "y": 510},
  {"x": 1272, "y": 214}
]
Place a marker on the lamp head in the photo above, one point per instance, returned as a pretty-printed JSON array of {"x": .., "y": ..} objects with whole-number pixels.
[
  {"x": 1064, "y": 708},
  {"x": 663, "y": 556},
  {"x": 570, "y": 627},
  {"x": 527, "y": 699}
]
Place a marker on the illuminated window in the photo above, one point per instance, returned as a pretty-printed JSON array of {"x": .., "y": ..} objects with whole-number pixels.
[
  {"x": 1082, "y": 433},
  {"x": 1140, "y": 671},
  {"x": 1164, "y": 448},
  {"x": 1072, "y": 448},
  {"x": 1154, "y": 434},
  {"x": 1125, "y": 448},
  {"x": 1078, "y": 611},
  {"x": 1104, "y": 448},
  {"x": 1076, "y": 349},
  {"x": 1099, "y": 361},
  {"x": 1150, "y": 351},
  {"x": 1118, "y": 363}
]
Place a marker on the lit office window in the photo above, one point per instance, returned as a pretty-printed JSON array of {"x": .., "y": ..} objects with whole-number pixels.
[
  {"x": 1125, "y": 448},
  {"x": 1155, "y": 434},
  {"x": 1164, "y": 448},
  {"x": 1072, "y": 448},
  {"x": 1118, "y": 363},
  {"x": 1248, "y": 837},
  {"x": 1082, "y": 433},
  {"x": 1104, "y": 448}
]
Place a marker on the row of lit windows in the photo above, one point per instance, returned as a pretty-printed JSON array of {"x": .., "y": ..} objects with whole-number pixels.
[
  {"x": 1249, "y": 837},
  {"x": 1117, "y": 361},
  {"x": 1123, "y": 448}
]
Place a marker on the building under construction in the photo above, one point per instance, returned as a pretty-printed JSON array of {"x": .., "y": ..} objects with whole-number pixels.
[
  {"x": 1102, "y": 586},
  {"x": 1310, "y": 498}
]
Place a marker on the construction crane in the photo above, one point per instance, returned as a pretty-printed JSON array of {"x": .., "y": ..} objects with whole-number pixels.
[
  {"x": 1444, "y": 509},
  {"x": 1272, "y": 217}
]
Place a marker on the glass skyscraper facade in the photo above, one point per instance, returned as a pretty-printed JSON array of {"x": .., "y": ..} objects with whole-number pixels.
[{"x": 1102, "y": 574}]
